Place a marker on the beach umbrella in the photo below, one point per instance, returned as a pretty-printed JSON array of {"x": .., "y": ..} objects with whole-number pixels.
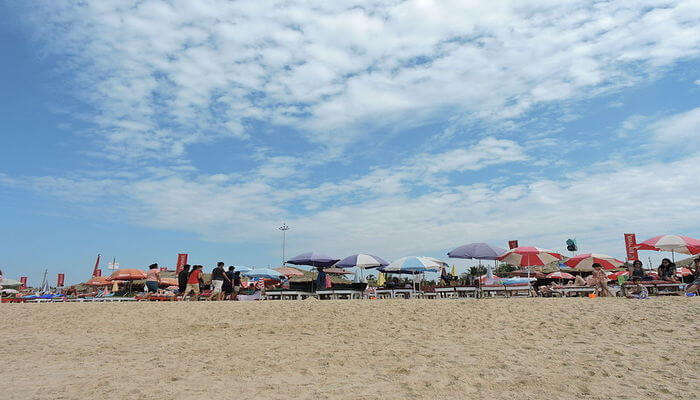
[
  {"x": 289, "y": 271},
  {"x": 313, "y": 259},
  {"x": 263, "y": 273},
  {"x": 361, "y": 261},
  {"x": 168, "y": 282},
  {"x": 683, "y": 271},
  {"x": 584, "y": 262},
  {"x": 127, "y": 274},
  {"x": 478, "y": 251},
  {"x": 560, "y": 275},
  {"x": 415, "y": 263},
  {"x": 98, "y": 281},
  {"x": 526, "y": 256},
  {"x": 336, "y": 271},
  {"x": 673, "y": 243}
]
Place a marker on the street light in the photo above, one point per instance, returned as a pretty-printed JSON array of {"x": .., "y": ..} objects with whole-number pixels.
[{"x": 284, "y": 228}]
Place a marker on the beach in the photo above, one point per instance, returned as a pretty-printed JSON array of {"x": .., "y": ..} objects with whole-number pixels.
[{"x": 526, "y": 348}]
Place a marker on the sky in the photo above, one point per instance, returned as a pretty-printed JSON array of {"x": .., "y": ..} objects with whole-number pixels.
[{"x": 142, "y": 129}]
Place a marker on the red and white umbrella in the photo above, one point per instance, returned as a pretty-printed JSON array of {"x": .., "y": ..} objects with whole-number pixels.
[
  {"x": 675, "y": 243},
  {"x": 560, "y": 275},
  {"x": 683, "y": 271},
  {"x": 529, "y": 256},
  {"x": 586, "y": 261}
]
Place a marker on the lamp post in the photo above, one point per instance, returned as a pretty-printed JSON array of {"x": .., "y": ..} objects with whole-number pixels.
[{"x": 284, "y": 228}]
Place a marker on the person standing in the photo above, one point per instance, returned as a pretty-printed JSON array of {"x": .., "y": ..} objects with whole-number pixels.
[
  {"x": 182, "y": 278},
  {"x": 193, "y": 281},
  {"x": 600, "y": 280},
  {"x": 667, "y": 270},
  {"x": 218, "y": 276},
  {"x": 236, "y": 283},
  {"x": 153, "y": 278},
  {"x": 228, "y": 283}
]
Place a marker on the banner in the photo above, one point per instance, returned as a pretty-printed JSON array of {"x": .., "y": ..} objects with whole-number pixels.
[
  {"x": 61, "y": 279},
  {"x": 181, "y": 261},
  {"x": 97, "y": 272},
  {"x": 97, "y": 266},
  {"x": 512, "y": 244},
  {"x": 631, "y": 246},
  {"x": 23, "y": 281}
]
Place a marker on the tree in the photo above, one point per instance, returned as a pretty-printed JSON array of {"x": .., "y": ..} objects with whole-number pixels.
[{"x": 503, "y": 269}]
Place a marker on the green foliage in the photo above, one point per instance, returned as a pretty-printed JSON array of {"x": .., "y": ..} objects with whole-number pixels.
[
  {"x": 477, "y": 271},
  {"x": 504, "y": 268}
]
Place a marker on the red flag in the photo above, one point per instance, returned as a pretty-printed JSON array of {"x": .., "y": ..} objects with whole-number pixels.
[
  {"x": 61, "y": 279},
  {"x": 512, "y": 244},
  {"x": 631, "y": 246},
  {"x": 23, "y": 281},
  {"x": 97, "y": 267},
  {"x": 181, "y": 261}
]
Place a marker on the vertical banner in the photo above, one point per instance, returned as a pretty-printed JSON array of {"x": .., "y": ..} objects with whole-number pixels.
[
  {"x": 631, "y": 246},
  {"x": 23, "y": 281},
  {"x": 97, "y": 267},
  {"x": 181, "y": 261},
  {"x": 512, "y": 244},
  {"x": 61, "y": 280}
]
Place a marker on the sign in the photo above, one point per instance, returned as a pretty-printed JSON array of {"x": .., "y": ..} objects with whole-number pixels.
[
  {"x": 512, "y": 244},
  {"x": 97, "y": 272},
  {"x": 181, "y": 261},
  {"x": 23, "y": 281},
  {"x": 61, "y": 280},
  {"x": 631, "y": 246}
]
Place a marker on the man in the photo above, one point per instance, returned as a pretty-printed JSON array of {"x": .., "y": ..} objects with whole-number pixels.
[
  {"x": 218, "y": 276},
  {"x": 236, "y": 283},
  {"x": 228, "y": 284},
  {"x": 193, "y": 281},
  {"x": 182, "y": 278}
]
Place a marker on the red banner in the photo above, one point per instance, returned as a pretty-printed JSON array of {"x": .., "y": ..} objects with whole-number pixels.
[
  {"x": 61, "y": 280},
  {"x": 97, "y": 267},
  {"x": 512, "y": 244},
  {"x": 631, "y": 246},
  {"x": 181, "y": 261},
  {"x": 23, "y": 281}
]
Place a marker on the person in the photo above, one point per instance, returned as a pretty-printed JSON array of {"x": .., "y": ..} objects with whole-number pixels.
[
  {"x": 218, "y": 277},
  {"x": 152, "y": 278},
  {"x": 579, "y": 281},
  {"x": 1, "y": 279},
  {"x": 236, "y": 283},
  {"x": 182, "y": 278},
  {"x": 667, "y": 270},
  {"x": 228, "y": 283},
  {"x": 320, "y": 279},
  {"x": 193, "y": 281},
  {"x": 636, "y": 291},
  {"x": 600, "y": 281},
  {"x": 694, "y": 287},
  {"x": 637, "y": 272}
]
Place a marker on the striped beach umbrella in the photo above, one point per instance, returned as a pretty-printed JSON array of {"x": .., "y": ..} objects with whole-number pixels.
[
  {"x": 560, "y": 275},
  {"x": 586, "y": 261},
  {"x": 674, "y": 243},
  {"x": 415, "y": 263},
  {"x": 526, "y": 256},
  {"x": 361, "y": 261}
]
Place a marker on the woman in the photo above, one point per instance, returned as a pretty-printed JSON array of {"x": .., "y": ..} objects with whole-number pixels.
[
  {"x": 637, "y": 272},
  {"x": 600, "y": 280},
  {"x": 152, "y": 278},
  {"x": 193, "y": 281},
  {"x": 667, "y": 270},
  {"x": 695, "y": 285}
]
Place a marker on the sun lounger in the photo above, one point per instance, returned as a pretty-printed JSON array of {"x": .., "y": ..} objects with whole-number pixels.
[
  {"x": 658, "y": 287},
  {"x": 446, "y": 292},
  {"x": 466, "y": 291},
  {"x": 566, "y": 291},
  {"x": 493, "y": 290},
  {"x": 332, "y": 294}
]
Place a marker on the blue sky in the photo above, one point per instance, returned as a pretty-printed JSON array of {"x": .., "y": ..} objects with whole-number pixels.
[{"x": 140, "y": 130}]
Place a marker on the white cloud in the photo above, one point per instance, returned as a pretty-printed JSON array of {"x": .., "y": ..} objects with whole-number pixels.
[
  {"x": 163, "y": 75},
  {"x": 683, "y": 128}
]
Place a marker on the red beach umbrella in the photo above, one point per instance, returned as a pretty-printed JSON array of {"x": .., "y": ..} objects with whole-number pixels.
[
  {"x": 98, "y": 281},
  {"x": 675, "y": 243},
  {"x": 127, "y": 274},
  {"x": 560, "y": 275},
  {"x": 529, "y": 256},
  {"x": 168, "y": 282},
  {"x": 586, "y": 261}
]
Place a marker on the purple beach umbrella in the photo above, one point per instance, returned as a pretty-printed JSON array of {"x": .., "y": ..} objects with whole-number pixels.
[
  {"x": 313, "y": 259},
  {"x": 479, "y": 251}
]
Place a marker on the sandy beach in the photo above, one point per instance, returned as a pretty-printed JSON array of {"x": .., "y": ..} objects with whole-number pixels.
[{"x": 384, "y": 349}]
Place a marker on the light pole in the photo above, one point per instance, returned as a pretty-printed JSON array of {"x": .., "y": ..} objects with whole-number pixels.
[{"x": 284, "y": 228}]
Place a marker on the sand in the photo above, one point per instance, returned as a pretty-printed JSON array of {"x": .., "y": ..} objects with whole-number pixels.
[{"x": 372, "y": 349}]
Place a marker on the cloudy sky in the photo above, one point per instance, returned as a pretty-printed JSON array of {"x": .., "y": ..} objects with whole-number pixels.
[{"x": 143, "y": 129}]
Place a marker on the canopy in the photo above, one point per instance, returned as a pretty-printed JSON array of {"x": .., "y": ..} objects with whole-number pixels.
[
  {"x": 263, "y": 273},
  {"x": 313, "y": 259},
  {"x": 676, "y": 243},
  {"x": 289, "y": 271},
  {"x": 128, "y": 274},
  {"x": 361, "y": 261},
  {"x": 530, "y": 256},
  {"x": 584, "y": 262},
  {"x": 479, "y": 251}
]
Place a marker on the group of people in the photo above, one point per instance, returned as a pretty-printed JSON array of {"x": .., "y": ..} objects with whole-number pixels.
[{"x": 225, "y": 284}]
